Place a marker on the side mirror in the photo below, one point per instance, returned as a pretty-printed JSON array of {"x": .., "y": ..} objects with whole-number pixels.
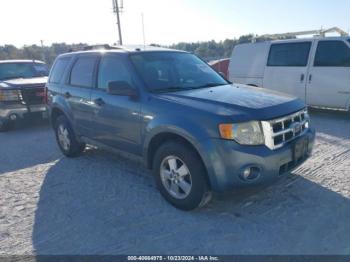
[{"x": 121, "y": 88}]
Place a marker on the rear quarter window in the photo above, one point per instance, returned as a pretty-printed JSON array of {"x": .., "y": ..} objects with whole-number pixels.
[
  {"x": 289, "y": 54},
  {"x": 58, "y": 70},
  {"x": 332, "y": 54}
]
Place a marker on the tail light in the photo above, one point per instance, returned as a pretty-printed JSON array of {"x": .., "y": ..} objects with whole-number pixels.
[
  {"x": 42, "y": 92},
  {"x": 46, "y": 98},
  {"x": 8, "y": 95}
]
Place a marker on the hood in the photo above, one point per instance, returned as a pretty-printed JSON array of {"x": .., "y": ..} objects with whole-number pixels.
[
  {"x": 243, "y": 102},
  {"x": 24, "y": 82}
]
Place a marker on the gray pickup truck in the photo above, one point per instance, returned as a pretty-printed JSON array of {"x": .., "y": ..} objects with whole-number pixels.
[
  {"x": 197, "y": 132},
  {"x": 22, "y": 90}
]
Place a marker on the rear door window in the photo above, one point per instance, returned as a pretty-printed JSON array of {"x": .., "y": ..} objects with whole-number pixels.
[
  {"x": 82, "y": 74},
  {"x": 58, "y": 70},
  {"x": 332, "y": 54},
  {"x": 289, "y": 54}
]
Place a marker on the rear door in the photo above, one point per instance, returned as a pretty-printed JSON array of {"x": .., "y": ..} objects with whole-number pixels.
[
  {"x": 329, "y": 78},
  {"x": 77, "y": 91},
  {"x": 116, "y": 118},
  {"x": 287, "y": 67}
]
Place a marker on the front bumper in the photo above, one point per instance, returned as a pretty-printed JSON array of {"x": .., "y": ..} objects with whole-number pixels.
[
  {"x": 226, "y": 160},
  {"x": 7, "y": 111}
]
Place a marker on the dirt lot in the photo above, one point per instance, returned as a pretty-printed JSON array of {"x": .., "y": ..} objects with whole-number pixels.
[{"x": 102, "y": 203}]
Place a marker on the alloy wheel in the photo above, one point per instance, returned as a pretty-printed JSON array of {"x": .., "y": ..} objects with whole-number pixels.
[
  {"x": 63, "y": 137},
  {"x": 176, "y": 177}
]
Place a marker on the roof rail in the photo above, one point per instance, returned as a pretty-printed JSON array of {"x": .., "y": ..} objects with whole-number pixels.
[
  {"x": 97, "y": 47},
  {"x": 318, "y": 33}
]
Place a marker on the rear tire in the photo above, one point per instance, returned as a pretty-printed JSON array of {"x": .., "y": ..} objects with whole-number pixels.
[
  {"x": 66, "y": 138},
  {"x": 181, "y": 176}
]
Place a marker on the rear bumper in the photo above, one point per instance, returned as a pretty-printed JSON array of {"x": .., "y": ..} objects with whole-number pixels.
[
  {"x": 226, "y": 161},
  {"x": 20, "y": 111}
]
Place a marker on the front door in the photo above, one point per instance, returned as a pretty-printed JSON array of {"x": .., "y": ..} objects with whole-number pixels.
[
  {"x": 329, "y": 78},
  {"x": 116, "y": 118},
  {"x": 287, "y": 68}
]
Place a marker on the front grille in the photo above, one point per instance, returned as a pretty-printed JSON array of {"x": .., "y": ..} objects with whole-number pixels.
[
  {"x": 282, "y": 130},
  {"x": 33, "y": 96}
]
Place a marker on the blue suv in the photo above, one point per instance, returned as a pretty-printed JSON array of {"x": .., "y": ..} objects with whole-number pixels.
[{"x": 196, "y": 131}]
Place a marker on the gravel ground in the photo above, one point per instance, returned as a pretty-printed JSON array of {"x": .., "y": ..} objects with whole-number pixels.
[{"x": 102, "y": 203}]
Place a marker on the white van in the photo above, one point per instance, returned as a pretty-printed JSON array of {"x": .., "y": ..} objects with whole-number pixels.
[{"x": 317, "y": 70}]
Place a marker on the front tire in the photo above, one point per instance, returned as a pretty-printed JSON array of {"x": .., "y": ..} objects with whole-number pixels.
[
  {"x": 181, "y": 176},
  {"x": 66, "y": 138}
]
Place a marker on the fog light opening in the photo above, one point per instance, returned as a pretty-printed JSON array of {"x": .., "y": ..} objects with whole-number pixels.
[
  {"x": 250, "y": 173},
  {"x": 307, "y": 124}
]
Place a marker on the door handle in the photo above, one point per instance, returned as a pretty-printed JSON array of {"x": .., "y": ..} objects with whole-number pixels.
[
  {"x": 302, "y": 78},
  {"x": 67, "y": 95},
  {"x": 99, "y": 102},
  {"x": 310, "y": 78}
]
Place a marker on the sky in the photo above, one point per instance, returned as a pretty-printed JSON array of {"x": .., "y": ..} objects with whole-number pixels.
[{"x": 26, "y": 22}]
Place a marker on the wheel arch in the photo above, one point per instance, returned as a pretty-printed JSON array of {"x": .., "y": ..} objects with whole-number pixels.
[
  {"x": 56, "y": 110},
  {"x": 162, "y": 137},
  {"x": 55, "y": 113}
]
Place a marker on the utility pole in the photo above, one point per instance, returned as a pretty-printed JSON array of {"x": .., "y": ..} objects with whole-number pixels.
[{"x": 117, "y": 10}]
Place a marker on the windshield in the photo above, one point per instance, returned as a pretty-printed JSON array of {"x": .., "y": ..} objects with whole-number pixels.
[
  {"x": 22, "y": 70},
  {"x": 175, "y": 71}
]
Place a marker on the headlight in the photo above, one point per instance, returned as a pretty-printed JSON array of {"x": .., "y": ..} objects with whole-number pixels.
[{"x": 248, "y": 133}]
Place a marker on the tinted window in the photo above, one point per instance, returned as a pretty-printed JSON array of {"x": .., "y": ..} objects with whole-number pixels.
[
  {"x": 332, "y": 53},
  {"x": 112, "y": 69},
  {"x": 290, "y": 54},
  {"x": 174, "y": 71},
  {"x": 58, "y": 70},
  {"x": 41, "y": 69},
  {"x": 21, "y": 70},
  {"x": 83, "y": 71}
]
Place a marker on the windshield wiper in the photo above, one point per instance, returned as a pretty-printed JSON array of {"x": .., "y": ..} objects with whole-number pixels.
[
  {"x": 170, "y": 89},
  {"x": 209, "y": 85},
  {"x": 181, "y": 88}
]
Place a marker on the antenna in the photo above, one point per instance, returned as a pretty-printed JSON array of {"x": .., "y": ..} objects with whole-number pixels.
[
  {"x": 117, "y": 11},
  {"x": 143, "y": 31}
]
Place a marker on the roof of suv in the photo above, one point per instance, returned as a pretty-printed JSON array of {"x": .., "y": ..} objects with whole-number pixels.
[{"x": 123, "y": 49}]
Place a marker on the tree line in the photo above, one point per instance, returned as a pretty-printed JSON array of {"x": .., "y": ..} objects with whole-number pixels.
[
  {"x": 209, "y": 50},
  {"x": 44, "y": 53}
]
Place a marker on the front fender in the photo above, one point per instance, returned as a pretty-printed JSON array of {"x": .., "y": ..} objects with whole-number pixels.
[{"x": 189, "y": 130}]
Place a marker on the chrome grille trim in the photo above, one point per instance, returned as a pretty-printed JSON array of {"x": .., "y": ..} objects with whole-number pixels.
[{"x": 279, "y": 131}]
